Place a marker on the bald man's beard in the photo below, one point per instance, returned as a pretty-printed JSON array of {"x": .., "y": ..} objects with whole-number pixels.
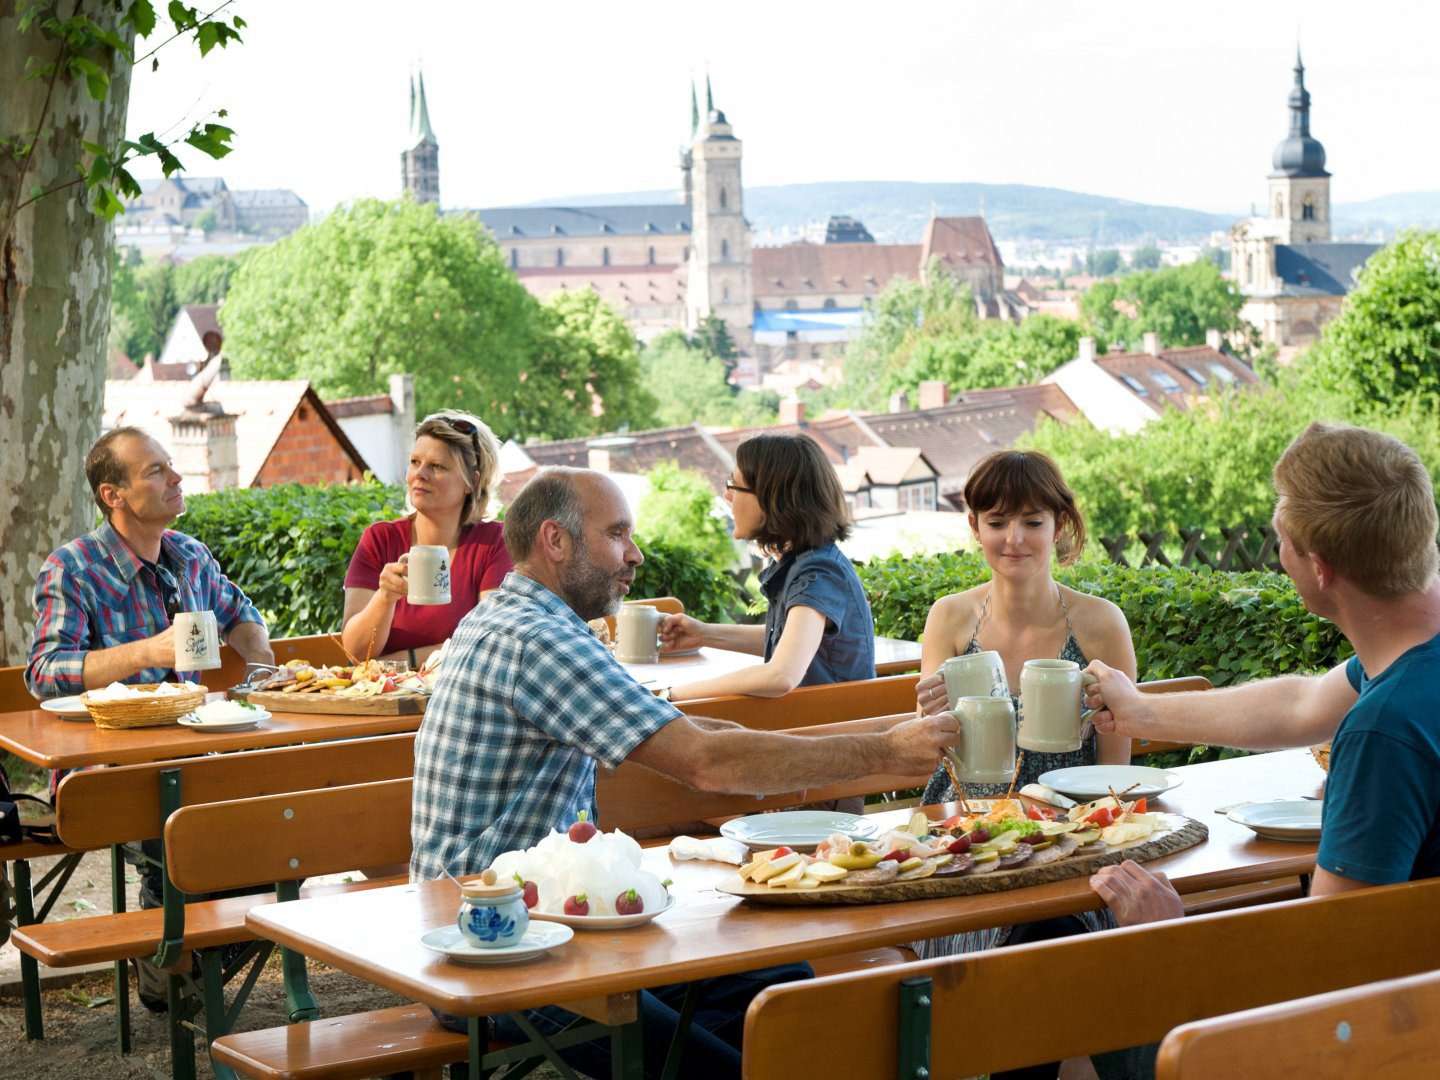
[{"x": 589, "y": 591}]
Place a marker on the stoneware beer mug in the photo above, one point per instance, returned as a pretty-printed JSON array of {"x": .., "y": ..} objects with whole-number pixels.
[
  {"x": 637, "y": 634},
  {"x": 197, "y": 641},
  {"x": 986, "y": 754},
  {"x": 979, "y": 674},
  {"x": 428, "y": 574},
  {"x": 1050, "y": 715}
]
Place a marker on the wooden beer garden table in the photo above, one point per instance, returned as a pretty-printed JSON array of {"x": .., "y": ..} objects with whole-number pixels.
[
  {"x": 375, "y": 935},
  {"x": 52, "y": 742},
  {"x": 893, "y": 656}
]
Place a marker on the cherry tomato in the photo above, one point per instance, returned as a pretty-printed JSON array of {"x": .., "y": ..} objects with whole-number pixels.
[
  {"x": 782, "y": 851},
  {"x": 1100, "y": 817},
  {"x": 1139, "y": 806},
  {"x": 1032, "y": 813}
]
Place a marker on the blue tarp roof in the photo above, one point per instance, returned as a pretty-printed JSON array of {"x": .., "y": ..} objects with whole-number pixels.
[{"x": 801, "y": 321}]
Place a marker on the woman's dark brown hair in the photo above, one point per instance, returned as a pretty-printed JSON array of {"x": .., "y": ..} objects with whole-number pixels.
[
  {"x": 1013, "y": 481},
  {"x": 798, "y": 492}
]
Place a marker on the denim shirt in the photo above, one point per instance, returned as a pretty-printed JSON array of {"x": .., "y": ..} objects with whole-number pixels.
[{"x": 823, "y": 579}]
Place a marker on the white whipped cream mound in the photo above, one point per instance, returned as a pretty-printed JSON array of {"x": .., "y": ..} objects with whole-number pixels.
[{"x": 120, "y": 692}]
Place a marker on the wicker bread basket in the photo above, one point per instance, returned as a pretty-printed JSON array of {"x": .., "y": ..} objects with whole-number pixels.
[
  {"x": 1321, "y": 754},
  {"x": 144, "y": 712}
]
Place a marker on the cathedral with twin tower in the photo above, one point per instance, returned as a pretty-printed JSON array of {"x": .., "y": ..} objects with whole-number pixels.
[{"x": 662, "y": 265}]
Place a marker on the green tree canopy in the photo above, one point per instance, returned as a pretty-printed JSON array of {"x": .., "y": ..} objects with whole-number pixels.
[
  {"x": 930, "y": 330},
  {"x": 1179, "y": 303},
  {"x": 690, "y": 387},
  {"x": 1146, "y": 257},
  {"x": 679, "y": 511},
  {"x": 379, "y": 288},
  {"x": 1103, "y": 263},
  {"x": 1385, "y": 344}
]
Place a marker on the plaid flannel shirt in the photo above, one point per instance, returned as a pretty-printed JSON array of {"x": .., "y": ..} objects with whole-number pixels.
[
  {"x": 95, "y": 593},
  {"x": 528, "y": 700}
]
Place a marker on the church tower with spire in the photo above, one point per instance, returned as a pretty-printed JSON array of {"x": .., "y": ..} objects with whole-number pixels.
[
  {"x": 420, "y": 165},
  {"x": 718, "y": 280},
  {"x": 1299, "y": 184}
]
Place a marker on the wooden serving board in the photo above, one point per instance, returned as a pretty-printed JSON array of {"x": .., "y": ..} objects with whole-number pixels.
[
  {"x": 1183, "y": 833},
  {"x": 380, "y": 705}
]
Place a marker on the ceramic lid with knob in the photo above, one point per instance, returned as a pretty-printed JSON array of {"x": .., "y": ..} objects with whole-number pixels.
[{"x": 489, "y": 887}]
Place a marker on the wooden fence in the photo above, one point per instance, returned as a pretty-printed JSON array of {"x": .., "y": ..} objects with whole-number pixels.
[{"x": 1237, "y": 551}]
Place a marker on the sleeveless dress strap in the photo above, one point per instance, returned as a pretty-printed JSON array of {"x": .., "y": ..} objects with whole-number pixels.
[{"x": 979, "y": 622}]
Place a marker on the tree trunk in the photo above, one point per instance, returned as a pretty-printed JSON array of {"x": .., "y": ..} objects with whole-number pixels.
[{"x": 54, "y": 314}]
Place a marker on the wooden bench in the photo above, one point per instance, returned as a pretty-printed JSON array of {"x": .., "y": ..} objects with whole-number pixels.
[
  {"x": 810, "y": 705},
  {"x": 1121, "y": 988},
  {"x": 1385, "y": 1029},
  {"x": 99, "y": 808}
]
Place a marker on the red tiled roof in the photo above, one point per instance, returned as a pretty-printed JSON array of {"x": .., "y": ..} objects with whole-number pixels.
[
  {"x": 371, "y": 405},
  {"x": 816, "y": 269},
  {"x": 1175, "y": 366},
  {"x": 959, "y": 241},
  {"x": 690, "y": 447}
]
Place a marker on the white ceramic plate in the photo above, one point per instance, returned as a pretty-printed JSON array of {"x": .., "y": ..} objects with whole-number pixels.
[
  {"x": 603, "y": 922},
  {"x": 72, "y": 708},
  {"x": 1086, "y": 782},
  {"x": 1297, "y": 819},
  {"x": 244, "y": 723},
  {"x": 539, "y": 938},
  {"x": 799, "y": 829}
]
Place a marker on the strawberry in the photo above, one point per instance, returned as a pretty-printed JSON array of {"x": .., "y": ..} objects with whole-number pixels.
[
  {"x": 577, "y": 905},
  {"x": 582, "y": 830},
  {"x": 629, "y": 903},
  {"x": 529, "y": 890}
]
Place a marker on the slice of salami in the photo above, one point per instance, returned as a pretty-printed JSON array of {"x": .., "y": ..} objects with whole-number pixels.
[
  {"x": 1022, "y": 854},
  {"x": 958, "y": 865},
  {"x": 880, "y": 874}
]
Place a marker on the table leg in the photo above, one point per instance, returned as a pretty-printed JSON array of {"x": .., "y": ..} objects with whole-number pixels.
[
  {"x": 677, "y": 1045},
  {"x": 29, "y": 970},
  {"x": 627, "y": 1051},
  {"x": 479, "y": 1043},
  {"x": 122, "y": 971}
]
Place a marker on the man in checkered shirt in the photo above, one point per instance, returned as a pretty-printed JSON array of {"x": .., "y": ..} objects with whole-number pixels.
[
  {"x": 104, "y": 602},
  {"x": 529, "y": 700}
]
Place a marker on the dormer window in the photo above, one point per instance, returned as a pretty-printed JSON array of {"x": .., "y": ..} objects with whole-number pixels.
[
  {"x": 1197, "y": 375},
  {"x": 1135, "y": 385},
  {"x": 1165, "y": 382},
  {"x": 1223, "y": 373}
]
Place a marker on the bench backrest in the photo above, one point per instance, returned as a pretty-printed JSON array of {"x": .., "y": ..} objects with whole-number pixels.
[
  {"x": 1386, "y": 1029},
  {"x": 231, "y": 845},
  {"x": 1099, "y": 992},
  {"x": 809, "y": 705},
  {"x": 634, "y": 797},
  {"x": 1180, "y": 685},
  {"x": 99, "y": 807},
  {"x": 14, "y": 694}
]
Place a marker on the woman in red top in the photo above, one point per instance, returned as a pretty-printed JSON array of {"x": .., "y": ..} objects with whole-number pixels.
[{"x": 453, "y": 469}]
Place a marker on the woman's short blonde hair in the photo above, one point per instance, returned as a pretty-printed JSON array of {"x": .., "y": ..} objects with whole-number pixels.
[
  {"x": 1363, "y": 502},
  {"x": 475, "y": 450}
]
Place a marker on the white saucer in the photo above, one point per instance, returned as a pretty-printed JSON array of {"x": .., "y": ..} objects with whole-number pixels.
[
  {"x": 190, "y": 720},
  {"x": 71, "y": 708},
  {"x": 539, "y": 938},
  {"x": 602, "y": 922},
  {"x": 1296, "y": 819},
  {"x": 1086, "y": 782},
  {"x": 799, "y": 829}
]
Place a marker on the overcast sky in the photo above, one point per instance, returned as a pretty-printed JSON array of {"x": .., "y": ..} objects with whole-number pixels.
[{"x": 1160, "y": 102}]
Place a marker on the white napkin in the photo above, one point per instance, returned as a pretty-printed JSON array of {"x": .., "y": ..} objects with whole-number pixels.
[{"x": 715, "y": 849}]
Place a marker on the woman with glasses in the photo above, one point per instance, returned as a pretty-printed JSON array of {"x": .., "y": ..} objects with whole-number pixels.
[
  {"x": 454, "y": 465},
  {"x": 784, "y": 495}
]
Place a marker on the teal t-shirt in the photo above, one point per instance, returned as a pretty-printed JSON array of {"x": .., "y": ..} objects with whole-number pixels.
[{"x": 1381, "y": 819}]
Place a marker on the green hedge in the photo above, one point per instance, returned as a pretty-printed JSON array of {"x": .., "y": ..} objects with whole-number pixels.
[
  {"x": 288, "y": 547},
  {"x": 1228, "y": 627}
]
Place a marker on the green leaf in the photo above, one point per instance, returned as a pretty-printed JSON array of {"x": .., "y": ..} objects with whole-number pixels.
[
  {"x": 212, "y": 139},
  {"x": 208, "y": 36},
  {"x": 183, "y": 17},
  {"x": 96, "y": 80},
  {"x": 105, "y": 203},
  {"x": 141, "y": 15}
]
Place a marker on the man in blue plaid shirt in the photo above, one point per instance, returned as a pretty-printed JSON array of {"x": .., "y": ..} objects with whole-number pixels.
[
  {"x": 104, "y": 602},
  {"x": 528, "y": 702}
]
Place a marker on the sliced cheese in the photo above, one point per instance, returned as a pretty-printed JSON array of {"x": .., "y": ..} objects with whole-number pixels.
[{"x": 772, "y": 867}]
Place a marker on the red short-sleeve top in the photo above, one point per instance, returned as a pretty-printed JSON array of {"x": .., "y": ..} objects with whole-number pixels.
[{"x": 480, "y": 564}]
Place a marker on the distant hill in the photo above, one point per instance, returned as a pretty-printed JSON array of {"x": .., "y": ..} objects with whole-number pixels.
[
  {"x": 896, "y": 211},
  {"x": 1380, "y": 218}
]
